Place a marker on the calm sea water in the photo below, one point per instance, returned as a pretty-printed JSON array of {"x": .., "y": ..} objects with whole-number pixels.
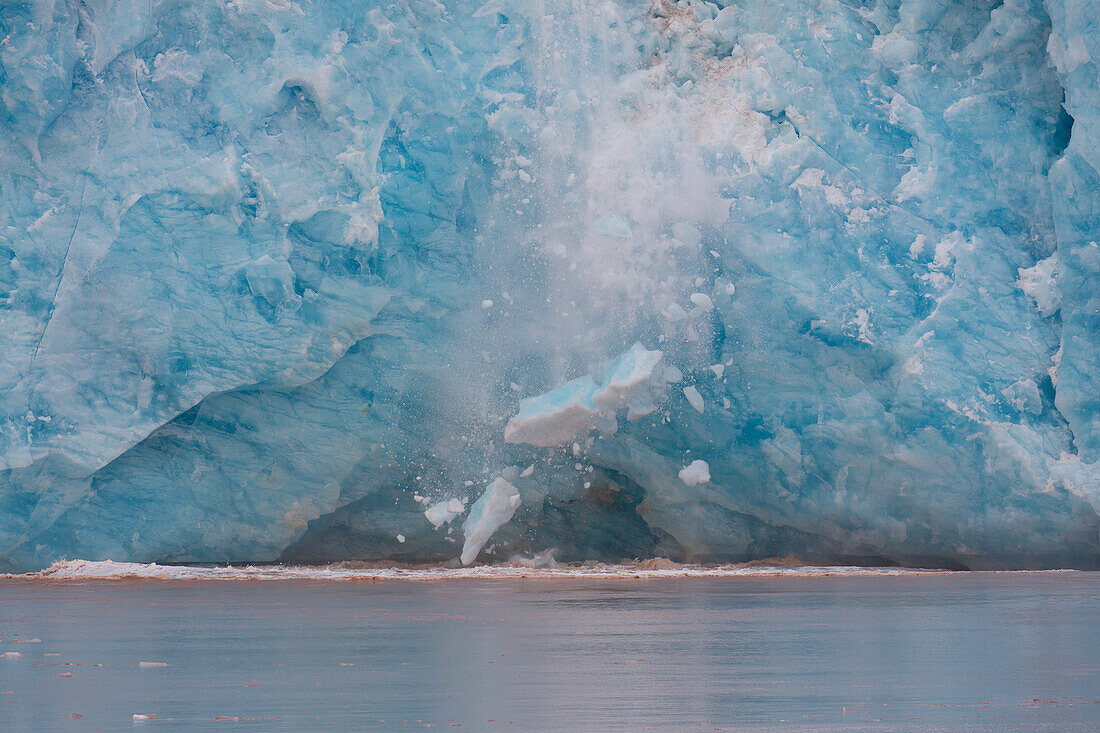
[{"x": 997, "y": 652}]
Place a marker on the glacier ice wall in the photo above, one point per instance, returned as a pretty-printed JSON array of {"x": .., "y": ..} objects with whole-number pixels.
[{"x": 274, "y": 277}]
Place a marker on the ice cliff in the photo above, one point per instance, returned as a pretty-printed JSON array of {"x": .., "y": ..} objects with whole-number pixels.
[{"x": 715, "y": 280}]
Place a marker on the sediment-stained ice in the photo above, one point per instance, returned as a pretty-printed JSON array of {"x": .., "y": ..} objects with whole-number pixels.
[{"x": 269, "y": 271}]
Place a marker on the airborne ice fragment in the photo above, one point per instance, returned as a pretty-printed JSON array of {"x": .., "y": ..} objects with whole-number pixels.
[
  {"x": 703, "y": 301},
  {"x": 694, "y": 398},
  {"x": 695, "y": 473},
  {"x": 444, "y": 511},
  {"x": 558, "y": 416},
  {"x": 676, "y": 312},
  {"x": 490, "y": 512},
  {"x": 555, "y": 417},
  {"x": 624, "y": 375}
]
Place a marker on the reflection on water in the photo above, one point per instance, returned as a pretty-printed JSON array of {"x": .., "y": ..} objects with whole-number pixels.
[{"x": 1016, "y": 651}]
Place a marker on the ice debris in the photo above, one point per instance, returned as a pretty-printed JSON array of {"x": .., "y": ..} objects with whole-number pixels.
[
  {"x": 572, "y": 409},
  {"x": 694, "y": 398},
  {"x": 443, "y": 512},
  {"x": 695, "y": 473},
  {"x": 488, "y": 514}
]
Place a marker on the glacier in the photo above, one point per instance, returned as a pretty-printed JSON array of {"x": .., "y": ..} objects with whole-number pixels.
[{"x": 277, "y": 277}]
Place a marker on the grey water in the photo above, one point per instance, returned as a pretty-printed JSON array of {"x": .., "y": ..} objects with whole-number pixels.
[{"x": 966, "y": 651}]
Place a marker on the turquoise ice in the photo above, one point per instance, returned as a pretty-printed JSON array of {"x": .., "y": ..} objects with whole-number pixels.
[{"x": 269, "y": 271}]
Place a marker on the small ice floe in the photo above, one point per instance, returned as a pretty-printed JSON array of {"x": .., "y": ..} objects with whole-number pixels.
[
  {"x": 486, "y": 304},
  {"x": 152, "y": 665},
  {"x": 401, "y": 538},
  {"x": 36, "y": 640},
  {"x": 11, "y": 655},
  {"x": 138, "y": 717},
  {"x": 695, "y": 473}
]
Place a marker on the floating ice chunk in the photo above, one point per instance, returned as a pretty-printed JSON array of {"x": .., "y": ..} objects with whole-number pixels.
[
  {"x": 444, "y": 511},
  {"x": 401, "y": 538},
  {"x": 11, "y": 655},
  {"x": 152, "y": 665},
  {"x": 143, "y": 716},
  {"x": 703, "y": 301},
  {"x": 528, "y": 471},
  {"x": 486, "y": 304},
  {"x": 562, "y": 414},
  {"x": 488, "y": 514},
  {"x": 695, "y": 473},
  {"x": 694, "y": 398},
  {"x": 718, "y": 369}
]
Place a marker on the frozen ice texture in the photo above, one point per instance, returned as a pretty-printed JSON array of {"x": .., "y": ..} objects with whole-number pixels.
[
  {"x": 580, "y": 405},
  {"x": 245, "y": 248},
  {"x": 443, "y": 512},
  {"x": 695, "y": 473},
  {"x": 491, "y": 511}
]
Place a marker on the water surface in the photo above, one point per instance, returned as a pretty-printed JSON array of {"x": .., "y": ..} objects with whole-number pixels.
[{"x": 963, "y": 651}]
